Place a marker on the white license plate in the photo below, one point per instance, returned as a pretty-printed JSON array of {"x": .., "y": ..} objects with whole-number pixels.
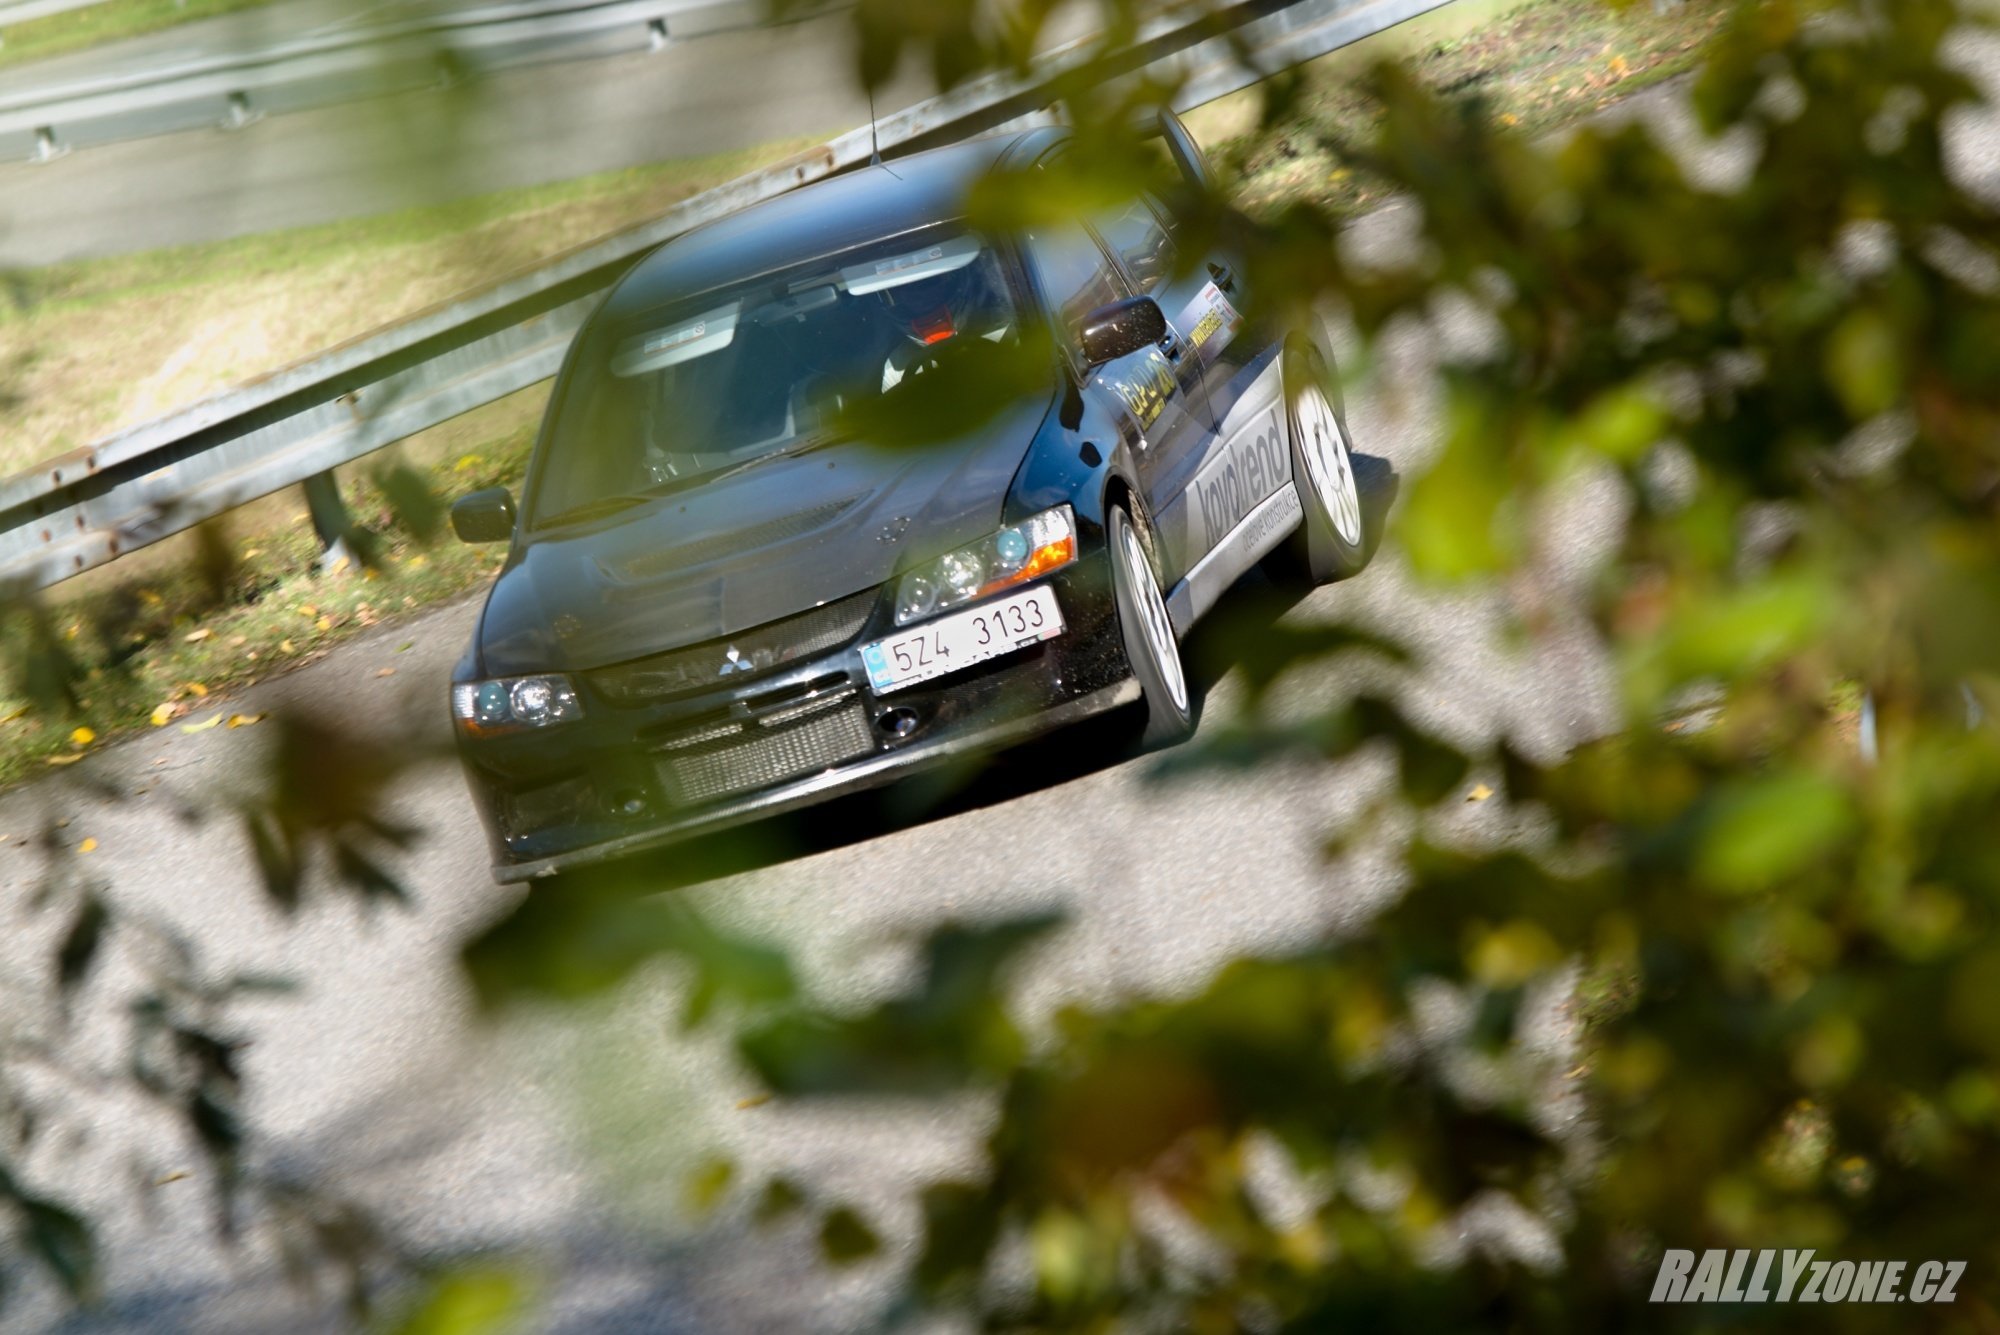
[{"x": 962, "y": 639}]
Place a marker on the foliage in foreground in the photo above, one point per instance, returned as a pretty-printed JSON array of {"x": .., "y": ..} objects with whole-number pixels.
[{"x": 1792, "y": 379}]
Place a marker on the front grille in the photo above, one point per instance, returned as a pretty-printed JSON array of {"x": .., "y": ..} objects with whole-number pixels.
[
  {"x": 745, "y": 657},
  {"x": 736, "y": 758}
]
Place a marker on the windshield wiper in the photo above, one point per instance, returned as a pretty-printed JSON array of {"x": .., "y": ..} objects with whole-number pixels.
[
  {"x": 612, "y": 504},
  {"x": 597, "y": 509},
  {"x": 805, "y": 446}
]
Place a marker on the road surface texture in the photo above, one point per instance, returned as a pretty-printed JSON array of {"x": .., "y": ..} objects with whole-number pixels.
[
  {"x": 567, "y": 1133},
  {"x": 713, "y": 94}
]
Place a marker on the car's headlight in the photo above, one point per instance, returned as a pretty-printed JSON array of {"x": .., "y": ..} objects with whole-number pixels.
[
  {"x": 513, "y": 703},
  {"x": 1016, "y": 554}
]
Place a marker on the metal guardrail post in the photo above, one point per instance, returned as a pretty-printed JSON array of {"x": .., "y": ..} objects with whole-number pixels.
[
  {"x": 241, "y": 113},
  {"x": 330, "y": 519},
  {"x": 657, "y": 36},
  {"x": 47, "y": 147}
]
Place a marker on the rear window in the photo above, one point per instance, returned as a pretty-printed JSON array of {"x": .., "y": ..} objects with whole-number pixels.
[{"x": 758, "y": 369}]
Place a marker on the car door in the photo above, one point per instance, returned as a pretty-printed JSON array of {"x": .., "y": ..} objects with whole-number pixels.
[{"x": 1164, "y": 424}]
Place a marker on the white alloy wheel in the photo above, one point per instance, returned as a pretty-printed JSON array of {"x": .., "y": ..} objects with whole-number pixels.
[
  {"x": 1323, "y": 448},
  {"x": 1154, "y": 622}
]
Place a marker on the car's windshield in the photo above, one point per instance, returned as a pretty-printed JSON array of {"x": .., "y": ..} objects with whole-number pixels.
[{"x": 762, "y": 368}]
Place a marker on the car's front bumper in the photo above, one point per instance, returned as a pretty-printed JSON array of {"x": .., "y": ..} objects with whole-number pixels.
[{"x": 604, "y": 787}]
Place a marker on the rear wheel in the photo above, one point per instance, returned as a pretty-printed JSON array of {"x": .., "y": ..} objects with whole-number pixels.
[
  {"x": 1332, "y": 541},
  {"x": 1150, "y": 646}
]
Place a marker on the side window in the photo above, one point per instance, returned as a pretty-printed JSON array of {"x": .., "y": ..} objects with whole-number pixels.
[
  {"x": 1074, "y": 275},
  {"x": 1135, "y": 234}
]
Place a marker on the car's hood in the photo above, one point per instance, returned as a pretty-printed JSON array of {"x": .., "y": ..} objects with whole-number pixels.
[{"x": 773, "y": 540}]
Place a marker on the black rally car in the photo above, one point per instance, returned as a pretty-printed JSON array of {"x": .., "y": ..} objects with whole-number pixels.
[{"x": 719, "y": 604}]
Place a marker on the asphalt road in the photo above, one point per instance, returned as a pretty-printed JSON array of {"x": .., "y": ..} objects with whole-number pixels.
[
  {"x": 566, "y": 1134},
  {"x": 711, "y": 94}
]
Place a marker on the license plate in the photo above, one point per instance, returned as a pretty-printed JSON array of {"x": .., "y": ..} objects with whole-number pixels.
[{"x": 962, "y": 639}]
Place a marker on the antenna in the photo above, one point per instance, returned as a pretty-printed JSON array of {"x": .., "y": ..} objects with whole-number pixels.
[{"x": 874, "y": 139}]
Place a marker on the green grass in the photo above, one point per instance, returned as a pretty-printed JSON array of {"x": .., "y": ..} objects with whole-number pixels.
[
  {"x": 155, "y": 639},
  {"x": 163, "y": 647},
  {"x": 108, "y": 21},
  {"x": 1538, "y": 65}
]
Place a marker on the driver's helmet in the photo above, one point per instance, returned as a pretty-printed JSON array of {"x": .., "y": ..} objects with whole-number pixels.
[{"x": 937, "y": 309}]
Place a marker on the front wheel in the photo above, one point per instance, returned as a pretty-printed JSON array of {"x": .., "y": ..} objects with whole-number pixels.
[
  {"x": 1150, "y": 646},
  {"x": 1332, "y": 540}
]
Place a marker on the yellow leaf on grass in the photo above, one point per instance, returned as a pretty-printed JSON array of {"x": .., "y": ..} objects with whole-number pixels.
[
  {"x": 308, "y": 610},
  {"x": 244, "y": 720},
  {"x": 285, "y": 646},
  {"x": 83, "y": 737},
  {"x": 417, "y": 560},
  {"x": 466, "y": 461},
  {"x": 163, "y": 714},
  {"x": 253, "y": 553},
  {"x": 1619, "y": 67},
  {"x": 1480, "y": 792},
  {"x": 202, "y": 726},
  {"x": 195, "y": 689},
  {"x": 202, "y": 634},
  {"x": 150, "y": 598},
  {"x": 324, "y": 623},
  {"x": 64, "y": 760},
  {"x": 87, "y": 846}
]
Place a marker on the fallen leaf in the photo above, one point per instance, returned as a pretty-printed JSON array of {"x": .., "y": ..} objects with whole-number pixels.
[
  {"x": 385, "y": 672},
  {"x": 285, "y": 647},
  {"x": 150, "y": 598},
  {"x": 18, "y": 713},
  {"x": 253, "y": 553},
  {"x": 339, "y": 567},
  {"x": 406, "y": 646},
  {"x": 466, "y": 461},
  {"x": 83, "y": 737},
  {"x": 238, "y": 641},
  {"x": 754, "y": 1101},
  {"x": 163, "y": 714},
  {"x": 308, "y": 610},
  {"x": 87, "y": 846},
  {"x": 1480, "y": 792},
  {"x": 418, "y": 560},
  {"x": 202, "y": 726},
  {"x": 63, "y": 760},
  {"x": 178, "y": 1175},
  {"x": 75, "y": 629},
  {"x": 194, "y": 635},
  {"x": 195, "y": 689},
  {"x": 244, "y": 720},
  {"x": 324, "y": 623}
]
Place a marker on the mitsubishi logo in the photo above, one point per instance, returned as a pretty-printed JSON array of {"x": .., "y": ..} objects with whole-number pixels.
[{"x": 734, "y": 661}]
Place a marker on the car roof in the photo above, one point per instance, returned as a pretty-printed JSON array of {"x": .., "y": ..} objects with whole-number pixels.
[{"x": 824, "y": 218}]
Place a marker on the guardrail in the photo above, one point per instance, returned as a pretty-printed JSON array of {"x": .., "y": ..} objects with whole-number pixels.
[
  {"x": 233, "y": 89},
  {"x": 295, "y": 425},
  {"x": 20, "y": 11}
]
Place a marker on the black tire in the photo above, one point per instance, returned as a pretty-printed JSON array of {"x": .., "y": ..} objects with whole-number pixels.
[
  {"x": 1150, "y": 646},
  {"x": 1332, "y": 540}
]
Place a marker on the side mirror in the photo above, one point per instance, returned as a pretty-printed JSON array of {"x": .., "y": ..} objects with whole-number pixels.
[
  {"x": 1121, "y": 329},
  {"x": 484, "y": 516}
]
